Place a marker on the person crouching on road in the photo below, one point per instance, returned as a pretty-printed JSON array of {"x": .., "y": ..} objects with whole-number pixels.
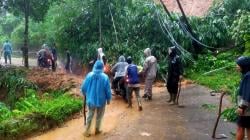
[
  {"x": 149, "y": 71},
  {"x": 175, "y": 72},
  {"x": 133, "y": 83},
  {"x": 96, "y": 88},
  {"x": 243, "y": 122}
]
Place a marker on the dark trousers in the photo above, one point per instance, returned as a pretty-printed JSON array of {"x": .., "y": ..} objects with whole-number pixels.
[
  {"x": 115, "y": 82},
  {"x": 172, "y": 85},
  {"x": 7, "y": 55},
  {"x": 137, "y": 93}
]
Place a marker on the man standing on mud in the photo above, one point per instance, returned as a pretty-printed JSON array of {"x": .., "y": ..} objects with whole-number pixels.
[
  {"x": 96, "y": 88},
  {"x": 149, "y": 71},
  {"x": 133, "y": 83},
  {"x": 175, "y": 72},
  {"x": 243, "y": 110},
  {"x": 7, "y": 51}
]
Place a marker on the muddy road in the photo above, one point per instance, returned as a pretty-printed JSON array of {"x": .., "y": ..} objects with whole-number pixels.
[
  {"x": 158, "y": 120},
  {"x": 18, "y": 61}
]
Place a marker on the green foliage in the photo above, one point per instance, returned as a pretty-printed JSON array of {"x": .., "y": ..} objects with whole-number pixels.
[
  {"x": 210, "y": 62},
  {"x": 227, "y": 78},
  {"x": 247, "y": 45},
  {"x": 223, "y": 79},
  {"x": 209, "y": 107},
  {"x": 37, "y": 8},
  {"x": 7, "y": 25},
  {"x": 230, "y": 114},
  {"x": 36, "y": 35},
  {"x": 241, "y": 26},
  {"x": 29, "y": 103},
  {"x": 4, "y": 111},
  {"x": 17, "y": 35},
  {"x": 137, "y": 26},
  {"x": 13, "y": 80},
  {"x": 78, "y": 29},
  {"x": 233, "y": 19},
  {"x": 229, "y": 7},
  {"x": 211, "y": 30},
  {"x": 232, "y": 6},
  {"x": 61, "y": 107},
  {"x": 33, "y": 113}
]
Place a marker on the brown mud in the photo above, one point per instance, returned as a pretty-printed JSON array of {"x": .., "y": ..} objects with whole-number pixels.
[{"x": 158, "y": 120}]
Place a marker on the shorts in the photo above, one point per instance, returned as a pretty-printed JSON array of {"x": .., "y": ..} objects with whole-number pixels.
[{"x": 243, "y": 121}]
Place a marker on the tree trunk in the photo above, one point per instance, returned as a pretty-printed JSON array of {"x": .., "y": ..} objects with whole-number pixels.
[{"x": 26, "y": 35}]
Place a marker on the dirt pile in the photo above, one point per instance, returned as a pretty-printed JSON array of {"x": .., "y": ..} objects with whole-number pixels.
[
  {"x": 191, "y": 7},
  {"x": 46, "y": 80}
]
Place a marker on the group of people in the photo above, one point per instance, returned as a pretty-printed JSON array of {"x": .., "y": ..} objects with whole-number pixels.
[
  {"x": 97, "y": 90},
  {"x": 50, "y": 53},
  {"x": 6, "y": 51},
  {"x": 47, "y": 57}
]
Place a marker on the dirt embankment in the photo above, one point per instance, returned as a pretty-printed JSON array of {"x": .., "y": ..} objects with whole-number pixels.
[
  {"x": 191, "y": 7},
  {"x": 46, "y": 80}
]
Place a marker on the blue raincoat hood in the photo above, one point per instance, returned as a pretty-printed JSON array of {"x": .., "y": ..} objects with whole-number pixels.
[
  {"x": 96, "y": 86},
  {"x": 98, "y": 66}
]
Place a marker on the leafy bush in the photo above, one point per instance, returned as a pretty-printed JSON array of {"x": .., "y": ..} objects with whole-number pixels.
[
  {"x": 13, "y": 79},
  {"x": 247, "y": 45},
  {"x": 5, "y": 112},
  {"x": 241, "y": 26},
  {"x": 37, "y": 35},
  {"x": 230, "y": 114},
  {"x": 207, "y": 72},
  {"x": 216, "y": 72},
  {"x": 7, "y": 24},
  {"x": 33, "y": 113},
  {"x": 136, "y": 24},
  {"x": 60, "y": 108}
]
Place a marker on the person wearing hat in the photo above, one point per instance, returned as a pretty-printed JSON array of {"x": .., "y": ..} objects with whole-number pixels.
[
  {"x": 243, "y": 110},
  {"x": 175, "y": 72},
  {"x": 96, "y": 88}
]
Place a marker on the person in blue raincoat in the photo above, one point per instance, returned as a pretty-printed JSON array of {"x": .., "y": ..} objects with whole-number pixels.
[
  {"x": 7, "y": 51},
  {"x": 96, "y": 88}
]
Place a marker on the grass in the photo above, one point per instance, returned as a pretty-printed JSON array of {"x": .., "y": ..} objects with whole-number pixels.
[
  {"x": 23, "y": 111},
  {"x": 210, "y": 107},
  {"x": 226, "y": 80},
  {"x": 33, "y": 113}
]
